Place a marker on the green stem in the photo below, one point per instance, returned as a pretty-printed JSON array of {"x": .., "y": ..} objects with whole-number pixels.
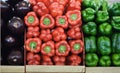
[
  {"x": 62, "y": 49},
  {"x": 31, "y": 19},
  {"x": 47, "y": 49},
  {"x": 33, "y": 45},
  {"x": 76, "y": 46},
  {"x": 46, "y": 21},
  {"x": 61, "y": 21},
  {"x": 73, "y": 17}
]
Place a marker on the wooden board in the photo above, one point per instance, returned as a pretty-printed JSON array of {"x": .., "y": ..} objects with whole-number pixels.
[
  {"x": 54, "y": 69},
  {"x": 12, "y": 69},
  {"x": 102, "y": 69}
]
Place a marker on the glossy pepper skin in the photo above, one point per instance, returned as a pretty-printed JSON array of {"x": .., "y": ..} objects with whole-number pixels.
[
  {"x": 32, "y": 2},
  {"x": 62, "y": 2},
  {"x": 47, "y": 22},
  {"x": 74, "y": 17},
  {"x": 32, "y": 32},
  {"x": 115, "y": 9},
  {"x": 62, "y": 48},
  {"x": 46, "y": 2},
  {"x": 88, "y": 14},
  {"x": 46, "y": 35},
  {"x": 74, "y": 5},
  {"x": 59, "y": 60},
  {"x": 46, "y": 60},
  {"x": 59, "y": 34},
  {"x": 74, "y": 60},
  {"x": 102, "y": 16},
  {"x": 91, "y": 59},
  {"x": 115, "y": 43},
  {"x": 116, "y": 22},
  {"x": 76, "y": 46},
  {"x": 75, "y": 33},
  {"x": 61, "y": 21},
  {"x": 116, "y": 59},
  {"x": 90, "y": 44},
  {"x": 33, "y": 45},
  {"x": 105, "y": 61},
  {"x": 56, "y": 9},
  {"x": 105, "y": 28},
  {"x": 33, "y": 59},
  {"x": 90, "y": 28},
  {"x": 32, "y": 56},
  {"x": 95, "y": 4},
  {"x": 40, "y": 9},
  {"x": 31, "y": 19},
  {"x": 48, "y": 48},
  {"x": 104, "y": 45}
]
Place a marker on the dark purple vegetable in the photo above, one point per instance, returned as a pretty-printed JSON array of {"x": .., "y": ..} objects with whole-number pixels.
[
  {"x": 15, "y": 58},
  {"x": 22, "y": 8},
  {"x": 16, "y": 25},
  {"x": 9, "y": 41}
]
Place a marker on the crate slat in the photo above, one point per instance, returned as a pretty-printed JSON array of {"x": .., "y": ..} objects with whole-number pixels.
[
  {"x": 102, "y": 69},
  {"x": 55, "y": 69},
  {"x": 12, "y": 69}
]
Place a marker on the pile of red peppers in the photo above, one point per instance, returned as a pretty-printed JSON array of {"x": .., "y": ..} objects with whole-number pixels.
[{"x": 54, "y": 35}]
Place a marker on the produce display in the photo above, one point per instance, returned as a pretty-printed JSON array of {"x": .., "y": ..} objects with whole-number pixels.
[
  {"x": 53, "y": 34},
  {"x": 12, "y": 31},
  {"x": 102, "y": 34},
  {"x": 60, "y": 32}
]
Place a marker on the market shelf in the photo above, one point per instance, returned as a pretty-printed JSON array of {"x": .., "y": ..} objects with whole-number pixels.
[
  {"x": 12, "y": 69},
  {"x": 102, "y": 70},
  {"x": 54, "y": 69}
]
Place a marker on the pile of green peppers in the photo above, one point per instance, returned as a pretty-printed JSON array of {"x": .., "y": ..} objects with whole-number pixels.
[{"x": 101, "y": 28}]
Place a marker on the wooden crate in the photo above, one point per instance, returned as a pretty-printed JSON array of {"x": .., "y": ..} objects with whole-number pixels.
[
  {"x": 12, "y": 69},
  {"x": 54, "y": 69},
  {"x": 102, "y": 70}
]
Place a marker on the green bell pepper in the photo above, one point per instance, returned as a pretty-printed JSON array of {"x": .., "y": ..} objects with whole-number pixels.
[
  {"x": 95, "y": 4},
  {"x": 115, "y": 9},
  {"x": 105, "y": 28},
  {"x": 116, "y": 22},
  {"x": 105, "y": 61},
  {"x": 116, "y": 59},
  {"x": 88, "y": 14},
  {"x": 116, "y": 43},
  {"x": 90, "y": 28},
  {"x": 102, "y": 16},
  {"x": 91, "y": 59},
  {"x": 104, "y": 45},
  {"x": 90, "y": 44}
]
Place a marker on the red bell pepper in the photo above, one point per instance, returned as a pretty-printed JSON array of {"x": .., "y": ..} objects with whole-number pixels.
[
  {"x": 32, "y": 56},
  {"x": 46, "y": 2},
  {"x": 40, "y": 9},
  {"x": 56, "y": 9},
  {"x": 58, "y": 59},
  {"x": 31, "y": 19},
  {"x": 74, "y": 5},
  {"x": 76, "y": 0},
  {"x": 59, "y": 34},
  {"x": 32, "y": 32},
  {"x": 61, "y": 21},
  {"x": 62, "y": 48},
  {"x": 74, "y": 17},
  {"x": 74, "y": 60},
  {"x": 48, "y": 48},
  {"x": 46, "y": 35},
  {"x": 47, "y": 22},
  {"x": 62, "y": 2},
  {"x": 59, "y": 63},
  {"x": 33, "y": 45},
  {"x": 33, "y": 62},
  {"x": 46, "y": 60},
  {"x": 74, "y": 33},
  {"x": 32, "y": 2},
  {"x": 76, "y": 46}
]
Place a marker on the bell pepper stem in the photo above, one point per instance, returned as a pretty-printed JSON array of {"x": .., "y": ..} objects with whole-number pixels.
[
  {"x": 31, "y": 19},
  {"x": 61, "y": 21},
  {"x": 47, "y": 49},
  {"x": 46, "y": 21},
  {"x": 62, "y": 49},
  {"x": 33, "y": 45},
  {"x": 73, "y": 17},
  {"x": 76, "y": 46}
]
